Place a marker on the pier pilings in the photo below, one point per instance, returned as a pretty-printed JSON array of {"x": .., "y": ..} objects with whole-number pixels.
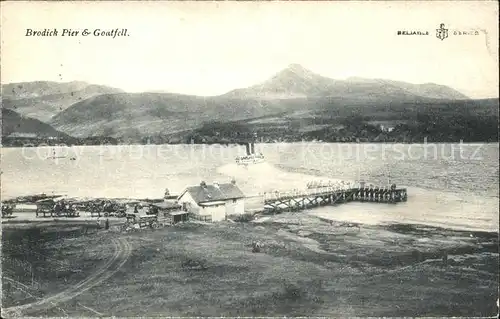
[{"x": 277, "y": 202}]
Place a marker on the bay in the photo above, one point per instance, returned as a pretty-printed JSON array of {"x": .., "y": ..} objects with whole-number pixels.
[{"x": 449, "y": 185}]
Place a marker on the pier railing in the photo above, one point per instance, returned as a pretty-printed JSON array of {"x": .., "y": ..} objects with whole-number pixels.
[
  {"x": 308, "y": 198},
  {"x": 318, "y": 188},
  {"x": 277, "y": 195}
]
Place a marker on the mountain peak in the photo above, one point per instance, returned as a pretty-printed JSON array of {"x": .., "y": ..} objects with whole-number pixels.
[
  {"x": 296, "y": 81},
  {"x": 295, "y": 72},
  {"x": 292, "y": 82},
  {"x": 297, "y": 69}
]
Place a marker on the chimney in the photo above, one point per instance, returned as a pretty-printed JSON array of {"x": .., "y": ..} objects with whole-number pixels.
[
  {"x": 233, "y": 181},
  {"x": 203, "y": 184},
  {"x": 247, "y": 146}
]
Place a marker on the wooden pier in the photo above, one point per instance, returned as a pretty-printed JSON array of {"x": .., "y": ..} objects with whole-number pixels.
[{"x": 299, "y": 200}]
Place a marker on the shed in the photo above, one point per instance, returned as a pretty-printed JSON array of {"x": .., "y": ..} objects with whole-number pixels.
[{"x": 172, "y": 211}]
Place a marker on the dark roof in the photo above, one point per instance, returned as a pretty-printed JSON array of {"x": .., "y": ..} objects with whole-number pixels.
[
  {"x": 210, "y": 193},
  {"x": 166, "y": 205}
]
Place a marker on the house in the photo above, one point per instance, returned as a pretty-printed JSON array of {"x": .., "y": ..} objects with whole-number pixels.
[{"x": 213, "y": 202}]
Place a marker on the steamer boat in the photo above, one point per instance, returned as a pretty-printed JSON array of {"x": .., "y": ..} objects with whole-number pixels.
[{"x": 251, "y": 157}]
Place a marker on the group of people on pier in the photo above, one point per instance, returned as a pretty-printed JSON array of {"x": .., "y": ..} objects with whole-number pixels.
[
  {"x": 320, "y": 188},
  {"x": 331, "y": 184}
]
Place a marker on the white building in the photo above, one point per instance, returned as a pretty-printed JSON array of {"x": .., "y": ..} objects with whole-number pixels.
[{"x": 213, "y": 202}]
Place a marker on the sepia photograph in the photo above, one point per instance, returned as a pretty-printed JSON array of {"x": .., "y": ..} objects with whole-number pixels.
[{"x": 249, "y": 159}]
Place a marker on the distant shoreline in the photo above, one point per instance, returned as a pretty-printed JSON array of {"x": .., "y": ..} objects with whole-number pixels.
[{"x": 61, "y": 144}]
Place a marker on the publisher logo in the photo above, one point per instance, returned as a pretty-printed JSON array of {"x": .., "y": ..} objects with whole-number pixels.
[{"x": 441, "y": 33}]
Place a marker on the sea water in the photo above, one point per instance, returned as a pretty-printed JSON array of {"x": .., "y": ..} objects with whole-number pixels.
[{"x": 449, "y": 185}]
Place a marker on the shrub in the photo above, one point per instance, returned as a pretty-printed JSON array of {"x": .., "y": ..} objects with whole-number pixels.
[
  {"x": 192, "y": 264},
  {"x": 244, "y": 218}
]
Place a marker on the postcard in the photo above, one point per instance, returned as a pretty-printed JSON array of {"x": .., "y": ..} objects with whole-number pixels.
[{"x": 249, "y": 159}]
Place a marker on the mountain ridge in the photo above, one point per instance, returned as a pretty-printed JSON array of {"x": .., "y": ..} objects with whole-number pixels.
[
  {"x": 43, "y": 99},
  {"x": 293, "y": 90},
  {"x": 295, "y": 80}
]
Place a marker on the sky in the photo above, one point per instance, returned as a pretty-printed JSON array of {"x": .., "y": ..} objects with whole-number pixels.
[{"x": 209, "y": 48}]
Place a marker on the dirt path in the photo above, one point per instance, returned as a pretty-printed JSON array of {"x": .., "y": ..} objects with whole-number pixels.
[{"x": 122, "y": 252}]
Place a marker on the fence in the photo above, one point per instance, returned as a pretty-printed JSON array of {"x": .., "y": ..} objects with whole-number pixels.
[{"x": 203, "y": 218}]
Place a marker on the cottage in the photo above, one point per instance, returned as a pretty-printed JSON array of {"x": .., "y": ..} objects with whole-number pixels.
[{"x": 213, "y": 202}]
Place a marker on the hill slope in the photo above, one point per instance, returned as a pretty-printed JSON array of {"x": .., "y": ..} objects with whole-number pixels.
[
  {"x": 140, "y": 114},
  {"x": 43, "y": 99},
  {"x": 13, "y": 122},
  {"x": 338, "y": 121}
]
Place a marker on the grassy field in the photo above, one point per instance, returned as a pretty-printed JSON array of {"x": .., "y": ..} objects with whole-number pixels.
[{"x": 307, "y": 267}]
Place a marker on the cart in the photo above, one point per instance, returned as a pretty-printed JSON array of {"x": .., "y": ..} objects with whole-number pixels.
[
  {"x": 54, "y": 208},
  {"x": 7, "y": 210},
  {"x": 45, "y": 207},
  {"x": 106, "y": 208}
]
